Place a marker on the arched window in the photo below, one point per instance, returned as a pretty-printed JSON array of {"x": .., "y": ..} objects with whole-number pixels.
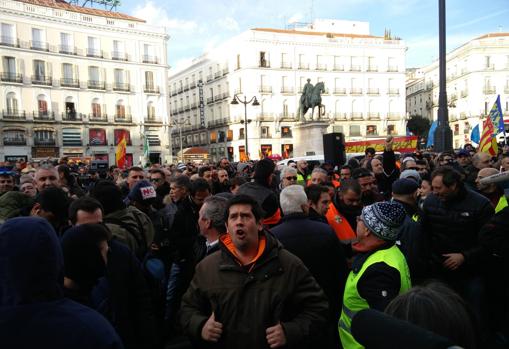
[
  {"x": 12, "y": 104},
  {"x": 42, "y": 104},
  {"x": 96, "y": 108}
]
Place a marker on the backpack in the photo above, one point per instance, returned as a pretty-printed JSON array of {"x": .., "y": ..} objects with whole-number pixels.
[{"x": 133, "y": 237}]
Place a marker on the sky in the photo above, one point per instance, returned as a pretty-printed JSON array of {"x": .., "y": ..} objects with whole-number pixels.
[{"x": 196, "y": 26}]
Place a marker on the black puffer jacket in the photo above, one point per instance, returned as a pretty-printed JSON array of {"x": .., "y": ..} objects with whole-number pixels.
[{"x": 453, "y": 226}]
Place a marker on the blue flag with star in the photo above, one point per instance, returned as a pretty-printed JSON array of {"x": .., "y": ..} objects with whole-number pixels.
[{"x": 496, "y": 117}]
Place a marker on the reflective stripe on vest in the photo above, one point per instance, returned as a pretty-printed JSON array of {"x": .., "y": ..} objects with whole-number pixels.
[
  {"x": 353, "y": 302},
  {"x": 502, "y": 203},
  {"x": 340, "y": 225}
]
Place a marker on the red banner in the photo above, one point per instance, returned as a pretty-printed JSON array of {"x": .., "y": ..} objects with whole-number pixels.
[{"x": 406, "y": 144}]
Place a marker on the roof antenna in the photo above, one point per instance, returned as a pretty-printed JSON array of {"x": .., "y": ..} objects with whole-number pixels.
[{"x": 311, "y": 13}]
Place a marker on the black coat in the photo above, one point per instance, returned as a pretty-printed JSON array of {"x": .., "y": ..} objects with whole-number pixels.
[
  {"x": 453, "y": 226},
  {"x": 184, "y": 230},
  {"x": 390, "y": 175},
  {"x": 319, "y": 249}
]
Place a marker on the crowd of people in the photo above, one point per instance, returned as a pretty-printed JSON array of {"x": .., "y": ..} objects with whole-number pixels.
[{"x": 253, "y": 254}]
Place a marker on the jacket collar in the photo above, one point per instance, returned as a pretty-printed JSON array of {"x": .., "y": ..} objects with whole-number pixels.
[{"x": 360, "y": 258}]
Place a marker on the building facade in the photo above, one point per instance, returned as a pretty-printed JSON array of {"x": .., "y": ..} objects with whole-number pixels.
[
  {"x": 477, "y": 72},
  {"x": 364, "y": 78},
  {"x": 76, "y": 80}
]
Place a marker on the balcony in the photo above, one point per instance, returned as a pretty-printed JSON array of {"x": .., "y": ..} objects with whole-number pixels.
[
  {"x": 65, "y": 82},
  {"x": 9, "y": 41},
  {"x": 96, "y": 85},
  {"x": 150, "y": 59},
  {"x": 218, "y": 75},
  {"x": 186, "y": 87},
  {"x": 194, "y": 105},
  {"x": 122, "y": 87},
  {"x": 356, "y": 91},
  {"x": 15, "y": 141},
  {"x": 124, "y": 118},
  {"x": 210, "y": 100},
  {"x": 225, "y": 71},
  {"x": 153, "y": 120},
  {"x": 393, "y": 92},
  {"x": 72, "y": 116},
  {"x": 286, "y": 65},
  {"x": 45, "y": 142},
  {"x": 39, "y": 46},
  {"x": 119, "y": 56},
  {"x": 265, "y": 89},
  {"x": 372, "y": 68},
  {"x": 287, "y": 90},
  {"x": 356, "y": 116},
  {"x": 151, "y": 89},
  {"x": 340, "y": 116},
  {"x": 287, "y": 117},
  {"x": 43, "y": 116},
  {"x": 192, "y": 85},
  {"x": 506, "y": 90},
  {"x": 12, "y": 77},
  {"x": 373, "y": 116},
  {"x": 321, "y": 66},
  {"x": 67, "y": 50},
  {"x": 13, "y": 114},
  {"x": 373, "y": 91},
  {"x": 210, "y": 77},
  {"x": 98, "y": 117},
  {"x": 266, "y": 117},
  {"x": 264, "y": 64},
  {"x": 489, "y": 90},
  {"x": 464, "y": 94},
  {"x": 92, "y": 52},
  {"x": 355, "y": 68},
  {"x": 489, "y": 67},
  {"x": 304, "y": 66},
  {"x": 339, "y": 67},
  {"x": 339, "y": 91},
  {"x": 41, "y": 80},
  {"x": 394, "y": 116},
  {"x": 392, "y": 69}
]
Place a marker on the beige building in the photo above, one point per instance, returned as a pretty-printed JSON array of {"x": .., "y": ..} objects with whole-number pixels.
[{"x": 75, "y": 80}]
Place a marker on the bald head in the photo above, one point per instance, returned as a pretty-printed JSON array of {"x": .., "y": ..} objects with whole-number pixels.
[
  {"x": 481, "y": 160},
  {"x": 486, "y": 172}
]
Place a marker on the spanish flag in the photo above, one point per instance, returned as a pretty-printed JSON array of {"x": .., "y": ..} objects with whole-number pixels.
[
  {"x": 120, "y": 154},
  {"x": 488, "y": 143}
]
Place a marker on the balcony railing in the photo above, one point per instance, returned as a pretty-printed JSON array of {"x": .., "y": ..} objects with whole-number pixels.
[
  {"x": 210, "y": 100},
  {"x": 287, "y": 116},
  {"x": 374, "y": 116},
  {"x": 67, "y": 50},
  {"x": 339, "y": 91},
  {"x": 373, "y": 91},
  {"x": 96, "y": 85},
  {"x": 210, "y": 77},
  {"x": 15, "y": 141},
  {"x": 186, "y": 87},
  {"x": 304, "y": 66},
  {"x": 152, "y": 120},
  {"x": 394, "y": 116},
  {"x": 43, "y": 116},
  {"x": 150, "y": 59},
  {"x": 393, "y": 92},
  {"x": 12, "y": 77},
  {"x": 48, "y": 142},
  {"x": 98, "y": 117},
  {"x": 92, "y": 52},
  {"x": 286, "y": 89},
  {"x": 39, "y": 45},
  {"x": 151, "y": 89},
  {"x": 41, "y": 80},
  {"x": 356, "y": 116},
  {"x": 218, "y": 75},
  {"x": 9, "y": 41},
  {"x": 72, "y": 116},
  {"x": 392, "y": 69},
  {"x": 266, "y": 117},
  {"x": 321, "y": 66},
  {"x": 13, "y": 114},
  {"x": 355, "y": 68},
  {"x": 372, "y": 68},
  {"x": 264, "y": 64},
  {"x": 489, "y": 90},
  {"x": 65, "y": 82},
  {"x": 123, "y": 118},
  {"x": 464, "y": 93},
  {"x": 119, "y": 56},
  {"x": 225, "y": 71},
  {"x": 265, "y": 89},
  {"x": 356, "y": 91},
  {"x": 340, "y": 116},
  {"x": 339, "y": 67},
  {"x": 506, "y": 90},
  {"x": 192, "y": 85},
  {"x": 286, "y": 65},
  {"x": 117, "y": 86},
  {"x": 489, "y": 67}
]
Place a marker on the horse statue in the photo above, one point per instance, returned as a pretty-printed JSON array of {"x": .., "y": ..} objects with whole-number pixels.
[{"x": 311, "y": 98}]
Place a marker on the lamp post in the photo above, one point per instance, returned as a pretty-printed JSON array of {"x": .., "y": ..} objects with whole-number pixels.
[
  {"x": 179, "y": 125},
  {"x": 237, "y": 100},
  {"x": 443, "y": 133}
]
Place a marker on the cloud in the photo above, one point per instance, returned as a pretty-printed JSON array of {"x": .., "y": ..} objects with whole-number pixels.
[
  {"x": 228, "y": 23},
  {"x": 479, "y": 19},
  {"x": 298, "y": 17},
  {"x": 157, "y": 15},
  {"x": 181, "y": 64}
]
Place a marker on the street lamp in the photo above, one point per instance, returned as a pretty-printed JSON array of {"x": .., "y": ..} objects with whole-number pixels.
[
  {"x": 237, "y": 100},
  {"x": 179, "y": 125}
]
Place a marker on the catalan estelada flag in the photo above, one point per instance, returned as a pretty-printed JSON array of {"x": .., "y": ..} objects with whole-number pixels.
[
  {"x": 120, "y": 154},
  {"x": 488, "y": 143}
]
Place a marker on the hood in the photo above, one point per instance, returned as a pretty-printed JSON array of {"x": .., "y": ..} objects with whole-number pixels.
[{"x": 31, "y": 262}]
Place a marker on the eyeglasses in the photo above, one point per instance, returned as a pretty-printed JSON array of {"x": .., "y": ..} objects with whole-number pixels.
[
  {"x": 156, "y": 179},
  {"x": 291, "y": 178}
]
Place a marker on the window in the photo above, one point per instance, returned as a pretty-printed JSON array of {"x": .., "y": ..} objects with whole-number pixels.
[
  {"x": 149, "y": 79},
  {"x": 96, "y": 108},
  {"x": 44, "y": 137},
  {"x": 371, "y": 130},
  {"x": 149, "y": 55},
  {"x": 238, "y": 63},
  {"x": 8, "y": 37},
  {"x": 42, "y": 105},
  {"x": 9, "y": 65},
  {"x": 265, "y": 132},
  {"x": 39, "y": 70},
  {"x": 38, "y": 41},
  {"x": 119, "y": 77},
  {"x": 285, "y": 108},
  {"x": 14, "y": 137},
  {"x": 119, "y": 134},
  {"x": 120, "y": 109},
  {"x": 391, "y": 130},
  {"x": 392, "y": 65},
  {"x": 487, "y": 62},
  {"x": 94, "y": 49},
  {"x": 12, "y": 104},
  {"x": 97, "y": 136},
  {"x": 66, "y": 43},
  {"x": 71, "y": 137},
  {"x": 151, "y": 110},
  {"x": 456, "y": 129},
  {"x": 355, "y": 130},
  {"x": 118, "y": 50},
  {"x": 264, "y": 62},
  {"x": 241, "y": 133},
  {"x": 93, "y": 74},
  {"x": 67, "y": 71},
  {"x": 286, "y": 132}
]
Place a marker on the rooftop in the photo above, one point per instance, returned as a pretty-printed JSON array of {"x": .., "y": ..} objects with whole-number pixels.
[
  {"x": 62, "y": 5},
  {"x": 492, "y": 35},
  {"x": 314, "y": 33}
]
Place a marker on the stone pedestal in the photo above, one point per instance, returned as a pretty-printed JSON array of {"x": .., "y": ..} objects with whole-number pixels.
[{"x": 308, "y": 138}]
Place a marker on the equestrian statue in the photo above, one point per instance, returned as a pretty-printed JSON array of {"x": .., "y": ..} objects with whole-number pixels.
[{"x": 311, "y": 98}]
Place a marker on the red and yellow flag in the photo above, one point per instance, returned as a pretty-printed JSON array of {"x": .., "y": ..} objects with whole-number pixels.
[
  {"x": 120, "y": 154},
  {"x": 488, "y": 143}
]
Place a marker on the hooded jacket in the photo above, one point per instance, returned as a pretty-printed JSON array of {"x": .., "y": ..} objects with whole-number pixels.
[
  {"x": 276, "y": 288},
  {"x": 33, "y": 311}
]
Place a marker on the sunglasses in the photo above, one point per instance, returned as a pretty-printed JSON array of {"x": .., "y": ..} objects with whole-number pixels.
[{"x": 291, "y": 178}]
